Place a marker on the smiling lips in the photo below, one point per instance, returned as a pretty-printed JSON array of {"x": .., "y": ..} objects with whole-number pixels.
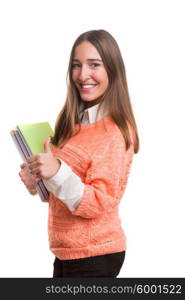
[{"x": 87, "y": 87}]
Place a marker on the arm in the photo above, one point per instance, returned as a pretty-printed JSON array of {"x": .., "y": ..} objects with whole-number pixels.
[{"x": 106, "y": 180}]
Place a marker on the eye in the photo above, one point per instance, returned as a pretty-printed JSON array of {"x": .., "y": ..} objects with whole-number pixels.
[
  {"x": 75, "y": 66},
  {"x": 95, "y": 65}
]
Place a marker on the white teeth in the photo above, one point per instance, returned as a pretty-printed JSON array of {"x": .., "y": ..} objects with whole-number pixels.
[{"x": 87, "y": 86}]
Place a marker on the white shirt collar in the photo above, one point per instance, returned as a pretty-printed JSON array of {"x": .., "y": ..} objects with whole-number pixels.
[{"x": 89, "y": 114}]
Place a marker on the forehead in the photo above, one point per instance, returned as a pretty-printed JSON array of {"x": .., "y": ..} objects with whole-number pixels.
[{"x": 86, "y": 51}]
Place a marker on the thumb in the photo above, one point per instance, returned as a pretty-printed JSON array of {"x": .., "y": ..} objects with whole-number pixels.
[
  {"x": 46, "y": 145},
  {"x": 23, "y": 165}
]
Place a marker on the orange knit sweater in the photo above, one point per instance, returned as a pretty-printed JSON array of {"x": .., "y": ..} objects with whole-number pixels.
[{"x": 97, "y": 154}]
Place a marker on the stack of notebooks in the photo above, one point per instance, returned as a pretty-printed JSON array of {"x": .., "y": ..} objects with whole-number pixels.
[{"x": 29, "y": 140}]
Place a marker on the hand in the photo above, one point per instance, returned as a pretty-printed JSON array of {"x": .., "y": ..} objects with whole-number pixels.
[
  {"x": 29, "y": 180},
  {"x": 44, "y": 165}
]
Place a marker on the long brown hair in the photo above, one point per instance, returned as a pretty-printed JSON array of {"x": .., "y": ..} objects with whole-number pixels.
[{"x": 115, "y": 101}]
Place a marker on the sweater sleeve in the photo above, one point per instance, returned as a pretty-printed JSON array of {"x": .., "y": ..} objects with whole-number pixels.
[{"x": 105, "y": 180}]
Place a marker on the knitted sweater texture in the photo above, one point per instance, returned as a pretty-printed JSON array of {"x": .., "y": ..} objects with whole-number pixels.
[{"x": 98, "y": 155}]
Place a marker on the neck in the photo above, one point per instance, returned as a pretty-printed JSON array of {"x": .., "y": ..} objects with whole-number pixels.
[{"x": 88, "y": 104}]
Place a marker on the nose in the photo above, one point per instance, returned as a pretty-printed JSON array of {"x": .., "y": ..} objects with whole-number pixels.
[{"x": 84, "y": 73}]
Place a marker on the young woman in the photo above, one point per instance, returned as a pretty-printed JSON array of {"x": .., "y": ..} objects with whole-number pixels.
[{"x": 86, "y": 164}]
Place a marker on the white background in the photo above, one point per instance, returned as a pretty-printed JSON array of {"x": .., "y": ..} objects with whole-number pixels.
[{"x": 36, "y": 39}]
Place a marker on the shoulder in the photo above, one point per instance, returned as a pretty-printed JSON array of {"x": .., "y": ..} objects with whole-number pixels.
[
  {"x": 114, "y": 132},
  {"x": 117, "y": 136}
]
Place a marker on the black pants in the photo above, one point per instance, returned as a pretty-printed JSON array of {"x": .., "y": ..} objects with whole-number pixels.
[{"x": 108, "y": 265}]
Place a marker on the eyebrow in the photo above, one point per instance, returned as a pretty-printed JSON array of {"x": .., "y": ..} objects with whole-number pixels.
[{"x": 90, "y": 59}]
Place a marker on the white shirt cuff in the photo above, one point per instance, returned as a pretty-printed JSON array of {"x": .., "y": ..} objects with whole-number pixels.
[{"x": 66, "y": 186}]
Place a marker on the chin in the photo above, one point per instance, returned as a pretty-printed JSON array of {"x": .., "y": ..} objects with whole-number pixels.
[{"x": 88, "y": 99}]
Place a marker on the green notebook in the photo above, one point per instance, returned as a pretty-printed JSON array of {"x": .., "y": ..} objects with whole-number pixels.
[
  {"x": 29, "y": 139},
  {"x": 35, "y": 135}
]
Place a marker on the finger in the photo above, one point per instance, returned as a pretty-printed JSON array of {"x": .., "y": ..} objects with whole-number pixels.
[
  {"x": 46, "y": 145},
  {"x": 33, "y": 165},
  {"x": 33, "y": 158},
  {"x": 23, "y": 166},
  {"x": 34, "y": 184},
  {"x": 36, "y": 178},
  {"x": 32, "y": 191},
  {"x": 35, "y": 172}
]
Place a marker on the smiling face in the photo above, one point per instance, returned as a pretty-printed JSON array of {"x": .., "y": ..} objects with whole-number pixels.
[{"x": 88, "y": 72}]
